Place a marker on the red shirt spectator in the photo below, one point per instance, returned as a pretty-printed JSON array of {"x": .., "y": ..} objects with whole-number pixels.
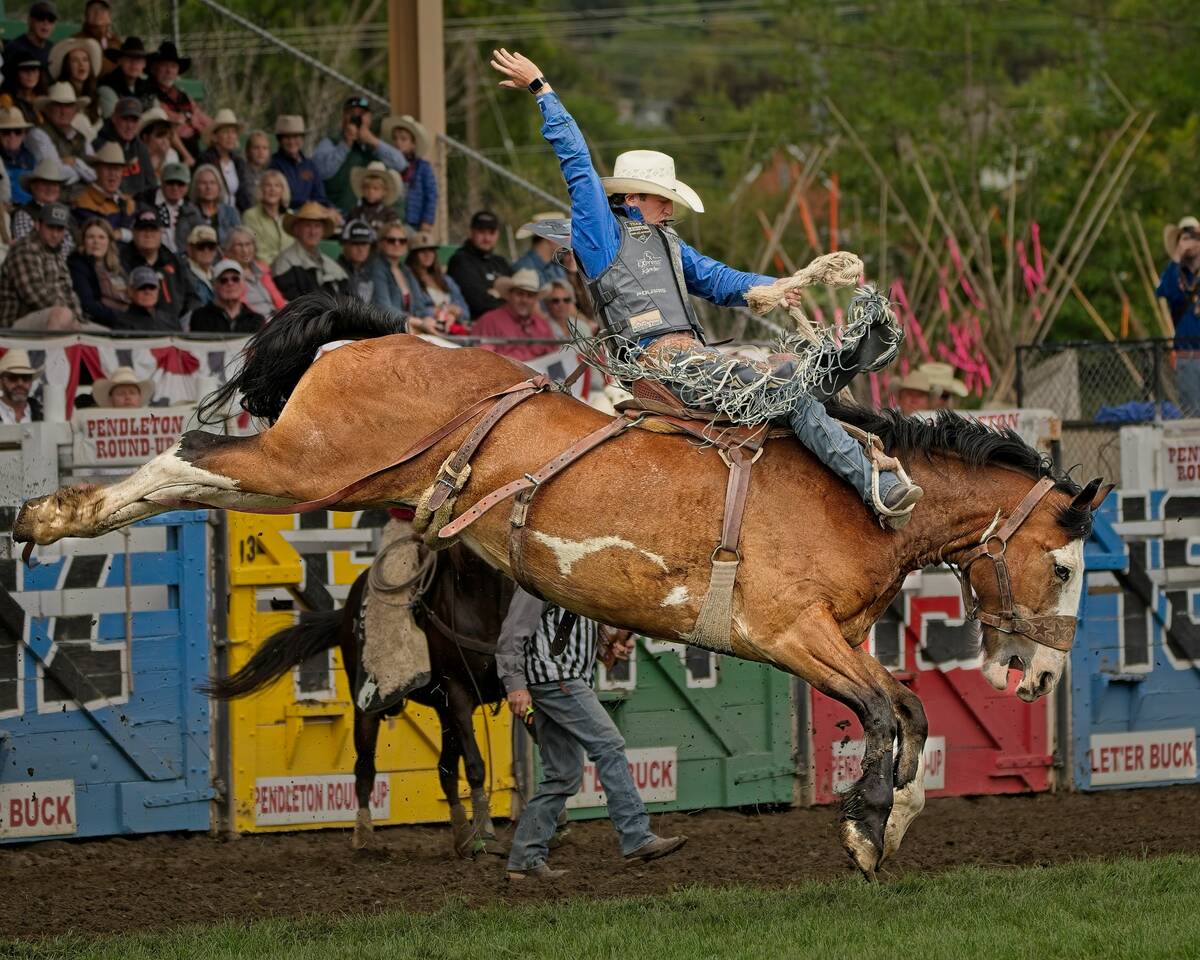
[{"x": 517, "y": 319}]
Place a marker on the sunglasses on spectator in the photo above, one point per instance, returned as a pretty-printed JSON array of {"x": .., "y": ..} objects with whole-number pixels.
[
  {"x": 228, "y": 278},
  {"x": 11, "y": 133},
  {"x": 400, "y": 240},
  {"x": 43, "y": 17},
  {"x": 22, "y": 377},
  {"x": 560, "y": 299},
  {"x": 205, "y": 245}
]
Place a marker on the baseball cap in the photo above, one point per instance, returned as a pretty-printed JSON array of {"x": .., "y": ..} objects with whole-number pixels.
[
  {"x": 44, "y": 8},
  {"x": 361, "y": 103},
  {"x": 358, "y": 231},
  {"x": 485, "y": 220},
  {"x": 224, "y": 266},
  {"x": 176, "y": 173},
  {"x": 54, "y": 215},
  {"x": 202, "y": 233},
  {"x": 143, "y": 276},
  {"x": 146, "y": 219},
  {"x": 128, "y": 107}
]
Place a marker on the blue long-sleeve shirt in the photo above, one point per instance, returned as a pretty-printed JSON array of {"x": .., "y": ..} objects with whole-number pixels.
[
  {"x": 303, "y": 177},
  {"x": 1178, "y": 286},
  {"x": 420, "y": 205},
  {"x": 595, "y": 231}
]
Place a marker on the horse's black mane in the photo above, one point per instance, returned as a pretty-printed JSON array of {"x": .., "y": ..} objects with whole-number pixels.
[{"x": 975, "y": 443}]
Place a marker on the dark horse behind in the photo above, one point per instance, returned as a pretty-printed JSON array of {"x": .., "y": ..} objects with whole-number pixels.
[{"x": 461, "y": 613}]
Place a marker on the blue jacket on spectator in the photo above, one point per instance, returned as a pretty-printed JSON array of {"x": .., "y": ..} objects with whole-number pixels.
[
  {"x": 546, "y": 270},
  {"x": 304, "y": 180},
  {"x": 23, "y": 161},
  {"x": 1180, "y": 287},
  {"x": 420, "y": 206},
  {"x": 423, "y": 305}
]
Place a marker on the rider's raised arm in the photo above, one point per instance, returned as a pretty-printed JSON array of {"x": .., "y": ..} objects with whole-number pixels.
[
  {"x": 715, "y": 281},
  {"x": 595, "y": 235}
]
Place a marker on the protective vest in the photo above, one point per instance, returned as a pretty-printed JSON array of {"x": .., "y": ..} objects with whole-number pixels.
[{"x": 642, "y": 293}]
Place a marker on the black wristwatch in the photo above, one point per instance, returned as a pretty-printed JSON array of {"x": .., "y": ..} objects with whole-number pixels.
[{"x": 537, "y": 84}]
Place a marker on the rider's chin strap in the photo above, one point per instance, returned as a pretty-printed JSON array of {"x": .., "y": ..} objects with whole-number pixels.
[{"x": 1056, "y": 632}]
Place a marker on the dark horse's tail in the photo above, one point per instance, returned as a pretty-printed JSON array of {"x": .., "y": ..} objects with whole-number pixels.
[
  {"x": 278, "y": 355},
  {"x": 282, "y": 651}
]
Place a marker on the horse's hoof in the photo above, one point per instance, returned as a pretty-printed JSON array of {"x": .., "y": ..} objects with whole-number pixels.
[{"x": 864, "y": 853}]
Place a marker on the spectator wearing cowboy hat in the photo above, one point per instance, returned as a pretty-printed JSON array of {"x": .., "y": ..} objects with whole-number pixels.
[
  {"x": 126, "y": 78},
  {"x": 475, "y": 266},
  {"x": 302, "y": 268},
  {"x": 148, "y": 250},
  {"x": 376, "y": 188},
  {"x": 122, "y": 129},
  {"x": 931, "y": 386},
  {"x": 518, "y": 318},
  {"x": 265, "y": 218},
  {"x": 16, "y": 383},
  {"x": 147, "y": 313},
  {"x": 59, "y": 108},
  {"x": 355, "y": 146},
  {"x": 156, "y": 131},
  {"x": 212, "y": 206},
  {"x": 123, "y": 390},
  {"x": 433, "y": 285},
  {"x": 413, "y": 140},
  {"x": 170, "y": 202},
  {"x": 165, "y": 66},
  {"x": 227, "y": 313},
  {"x": 97, "y": 26},
  {"x": 304, "y": 180},
  {"x": 77, "y": 61},
  {"x": 25, "y": 81},
  {"x": 540, "y": 255},
  {"x": 35, "y": 284},
  {"x": 202, "y": 248},
  {"x": 34, "y": 43},
  {"x": 104, "y": 198},
  {"x": 223, "y": 154},
  {"x": 44, "y": 184},
  {"x": 15, "y": 154},
  {"x": 1180, "y": 287}
]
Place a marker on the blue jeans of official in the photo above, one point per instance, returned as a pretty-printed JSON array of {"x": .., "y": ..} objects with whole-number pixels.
[{"x": 569, "y": 721}]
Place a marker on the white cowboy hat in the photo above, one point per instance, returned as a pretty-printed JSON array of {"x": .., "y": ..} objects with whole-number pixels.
[
  {"x": 528, "y": 231},
  {"x": 393, "y": 186},
  {"x": 224, "y": 118},
  {"x": 648, "y": 171},
  {"x": 289, "y": 123},
  {"x": 934, "y": 376},
  {"x": 58, "y": 54},
  {"x": 155, "y": 114},
  {"x": 1172, "y": 231},
  {"x": 111, "y": 153},
  {"x": 102, "y": 388},
  {"x": 412, "y": 125},
  {"x": 526, "y": 279},
  {"x": 62, "y": 94},
  {"x": 17, "y": 362}
]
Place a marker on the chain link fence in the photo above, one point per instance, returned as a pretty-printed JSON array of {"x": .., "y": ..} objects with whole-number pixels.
[{"x": 1096, "y": 388}]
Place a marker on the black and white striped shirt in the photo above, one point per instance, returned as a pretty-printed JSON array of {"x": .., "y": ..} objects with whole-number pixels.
[{"x": 523, "y": 652}]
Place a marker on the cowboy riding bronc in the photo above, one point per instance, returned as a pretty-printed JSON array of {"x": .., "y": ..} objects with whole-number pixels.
[{"x": 640, "y": 274}]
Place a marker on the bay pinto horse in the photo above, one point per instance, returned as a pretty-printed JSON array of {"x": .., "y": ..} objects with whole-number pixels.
[
  {"x": 460, "y": 613},
  {"x": 625, "y": 535}
]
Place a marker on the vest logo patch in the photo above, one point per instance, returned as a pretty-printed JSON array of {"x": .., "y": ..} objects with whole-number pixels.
[
  {"x": 648, "y": 263},
  {"x": 645, "y": 321},
  {"x": 638, "y": 230}
]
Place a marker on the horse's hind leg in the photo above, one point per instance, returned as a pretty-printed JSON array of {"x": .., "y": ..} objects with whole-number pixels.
[
  {"x": 463, "y": 835},
  {"x": 815, "y": 650},
  {"x": 366, "y": 739},
  {"x": 908, "y": 794},
  {"x": 463, "y": 705}
]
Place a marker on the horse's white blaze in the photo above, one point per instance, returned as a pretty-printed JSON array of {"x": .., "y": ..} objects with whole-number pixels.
[
  {"x": 1071, "y": 557},
  {"x": 677, "y": 597},
  {"x": 907, "y": 803},
  {"x": 570, "y": 552}
]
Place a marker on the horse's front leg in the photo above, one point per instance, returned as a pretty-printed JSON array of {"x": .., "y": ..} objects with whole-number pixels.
[
  {"x": 366, "y": 739},
  {"x": 908, "y": 794},
  {"x": 462, "y": 834},
  {"x": 815, "y": 650},
  {"x": 462, "y": 705}
]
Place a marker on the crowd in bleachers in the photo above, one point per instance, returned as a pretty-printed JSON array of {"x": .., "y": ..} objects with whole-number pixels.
[{"x": 125, "y": 205}]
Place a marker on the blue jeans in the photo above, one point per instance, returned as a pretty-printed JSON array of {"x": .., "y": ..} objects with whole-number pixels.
[
  {"x": 834, "y": 447},
  {"x": 570, "y": 720},
  {"x": 1187, "y": 378}
]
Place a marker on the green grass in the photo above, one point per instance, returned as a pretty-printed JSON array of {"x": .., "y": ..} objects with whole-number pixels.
[{"x": 1126, "y": 908}]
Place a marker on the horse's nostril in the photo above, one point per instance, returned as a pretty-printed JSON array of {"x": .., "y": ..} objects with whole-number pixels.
[{"x": 1045, "y": 681}]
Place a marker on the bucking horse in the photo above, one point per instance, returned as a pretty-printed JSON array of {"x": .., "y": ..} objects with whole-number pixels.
[{"x": 619, "y": 523}]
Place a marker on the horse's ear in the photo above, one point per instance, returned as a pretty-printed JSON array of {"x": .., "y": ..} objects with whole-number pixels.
[
  {"x": 1102, "y": 495},
  {"x": 1086, "y": 497}
]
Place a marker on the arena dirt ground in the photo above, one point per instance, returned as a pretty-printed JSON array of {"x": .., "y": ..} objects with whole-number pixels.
[{"x": 161, "y": 881}]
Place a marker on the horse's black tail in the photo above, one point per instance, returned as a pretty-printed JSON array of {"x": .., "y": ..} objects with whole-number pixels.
[
  {"x": 282, "y": 651},
  {"x": 278, "y": 355}
]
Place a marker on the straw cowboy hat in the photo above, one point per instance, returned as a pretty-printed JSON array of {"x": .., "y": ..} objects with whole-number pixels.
[
  {"x": 58, "y": 54},
  {"x": 393, "y": 186},
  {"x": 48, "y": 169},
  {"x": 155, "y": 114},
  {"x": 526, "y": 279},
  {"x": 61, "y": 94},
  {"x": 289, "y": 123},
  {"x": 422, "y": 241},
  {"x": 1172, "y": 231},
  {"x": 530, "y": 229},
  {"x": 648, "y": 171},
  {"x": 312, "y": 211},
  {"x": 111, "y": 153},
  {"x": 17, "y": 363},
  {"x": 224, "y": 118},
  {"x": 934, "y": 376},
  {"x": 11, "y": 118},
  {"x": 412, "y": 125},
  {"x": 122, "y": 376}
]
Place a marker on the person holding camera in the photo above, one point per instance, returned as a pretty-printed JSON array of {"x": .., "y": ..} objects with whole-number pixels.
[{"x": 355, "y": 146}]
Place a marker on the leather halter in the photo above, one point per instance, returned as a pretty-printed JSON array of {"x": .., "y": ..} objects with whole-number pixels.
[{"x": 1056, "y": 632}]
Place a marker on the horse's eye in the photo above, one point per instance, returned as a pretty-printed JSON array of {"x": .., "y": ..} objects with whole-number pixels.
[{"x": 1063, "y": 573}]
